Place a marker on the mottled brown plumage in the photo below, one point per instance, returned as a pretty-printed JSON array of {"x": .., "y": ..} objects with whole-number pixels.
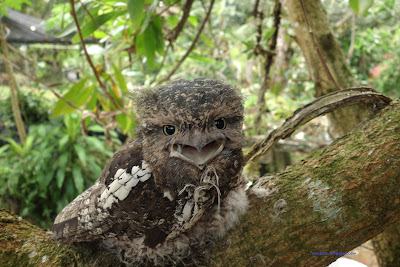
[{"x": 177, "y": 186}]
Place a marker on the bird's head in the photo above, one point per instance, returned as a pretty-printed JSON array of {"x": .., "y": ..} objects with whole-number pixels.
[{"x": 187, "y": 126}]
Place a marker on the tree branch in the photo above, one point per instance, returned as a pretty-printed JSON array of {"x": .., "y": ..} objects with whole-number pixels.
[
  {"x": 89, "y": 60},
  {"x": 332, "y": 201},
  {"x": 318, "y": 107},
  {"x": 270, "y": 56},
  {"x": 174, "y": 33},
  {"x": 13, "y": 87},
  {"x": 191, "y": 46}
]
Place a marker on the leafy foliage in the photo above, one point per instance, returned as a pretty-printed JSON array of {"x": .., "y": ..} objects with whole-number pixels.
[
  {"x": 50, "y": 169},
  {"x": 14, "y": 4}
]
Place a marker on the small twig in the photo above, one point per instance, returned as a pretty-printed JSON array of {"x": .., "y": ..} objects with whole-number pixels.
[
  {"x": 174, "y": 33},
  {"x": 20, "y": 54},
  {"x": 321, "y": 57},
  {"x": 162, "y": 63},
  {"x": 88, "y": 12},
  {"x": 343, "y": 20},
  {"x": 167, "y": 8},
  {"x": 64, "y": 99},
  {"x": 353, "y": 37},
  {"x": 318, "y": 107},
  {"x": 259, "y": 16},
  {"x": 33, "y": 78},
  {"x": 191, "y": 46},
  {"x": 82, "y": 41},
  {"x": 14, "y": 90},
  {"x": 268, "y": 62}
]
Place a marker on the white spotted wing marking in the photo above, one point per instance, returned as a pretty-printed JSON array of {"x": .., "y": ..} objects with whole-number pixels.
[{"x": 123, "y": 183}]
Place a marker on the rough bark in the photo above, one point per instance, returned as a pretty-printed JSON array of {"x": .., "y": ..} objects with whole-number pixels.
[
  {"x": 344, "y": 120},
  {"x": 24, "y": 244},
  {"x": 332, "y": 201}
]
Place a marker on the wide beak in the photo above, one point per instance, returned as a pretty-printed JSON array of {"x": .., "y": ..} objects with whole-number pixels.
[{"x": 196, "y": 149}]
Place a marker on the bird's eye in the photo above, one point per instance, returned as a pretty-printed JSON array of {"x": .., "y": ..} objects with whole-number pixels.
[
  {"x": 169, "y": 130},
  {"x": 220, "y": 124}
]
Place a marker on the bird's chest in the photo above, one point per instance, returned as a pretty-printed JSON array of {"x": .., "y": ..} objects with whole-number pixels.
[{"x": 154, "y": 215}]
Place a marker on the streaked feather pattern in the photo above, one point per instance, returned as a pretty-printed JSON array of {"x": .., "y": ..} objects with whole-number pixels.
[{"x": 153, "y": 203}]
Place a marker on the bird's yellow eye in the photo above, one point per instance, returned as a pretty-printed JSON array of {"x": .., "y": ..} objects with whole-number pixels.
[
  {"x": 220, "y": 124},
  {"x": 169, "y": 130}
]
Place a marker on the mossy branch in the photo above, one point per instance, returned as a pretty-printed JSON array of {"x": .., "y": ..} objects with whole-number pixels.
[{"x": 332, "y": 201}]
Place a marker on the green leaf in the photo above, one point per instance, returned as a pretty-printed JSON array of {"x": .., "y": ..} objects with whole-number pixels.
[
  {"x": 28, "y": 144},
  {"x": 3, "y": 149},
  {"x": 361, "y": 6},
  {"x": 46, "y": 177},
  {"x": 158, "y": 35},
  {"x": 72, "y": 124},
  {"x": 80, "y": 151},
  {"x": 124, "y": 122},
  {"x": 77, "y": 177},
  {"x": 136, "y": 12},
  {"x": 269, "y": 33},
  {"x": 17, "y": 148},
  {"x": 203, "y": 59},
  {"x": 207, "y": 41},
  {"x": 95, "y": 143},
  {"x": 13, "y": 4},
  {"x": 96, "y": 128},
  {"x": 354, "y": 5},
  {"x": 77, "y": 95},
  {"x": 63, "y": 141},
  {"x": 93, "y": 24},
  {"x": 91, "y": 105},
  {"x": 120, "y": 80},
  {"x": 150, "y": 41},
  {"x": 193, "y": 20},
  {"x": 149, "y": 15},
  {"x": 62, "y": 165},
  {"x": 71, "y": 27},
  {"x": 60, "y": 176}
]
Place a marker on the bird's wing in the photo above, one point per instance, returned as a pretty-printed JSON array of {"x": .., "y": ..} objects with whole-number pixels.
[{"x": 93, "y": 213}]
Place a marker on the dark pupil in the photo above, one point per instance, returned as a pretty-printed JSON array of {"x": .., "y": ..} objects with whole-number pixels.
[
  {"x": 220, "y": 124},
  {"x": 169, "y": 129}
]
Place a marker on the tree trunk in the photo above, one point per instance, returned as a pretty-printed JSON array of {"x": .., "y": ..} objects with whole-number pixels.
[
  {"x": 332, "y": 201},
  {"x": 329, "y": 52}
]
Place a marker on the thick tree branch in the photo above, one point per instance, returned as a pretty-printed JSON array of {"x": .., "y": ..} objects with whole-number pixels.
[{"x": 332, "y": 201}]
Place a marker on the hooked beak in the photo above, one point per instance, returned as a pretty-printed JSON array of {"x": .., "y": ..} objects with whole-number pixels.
[{"x": 197, "y": 153}]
